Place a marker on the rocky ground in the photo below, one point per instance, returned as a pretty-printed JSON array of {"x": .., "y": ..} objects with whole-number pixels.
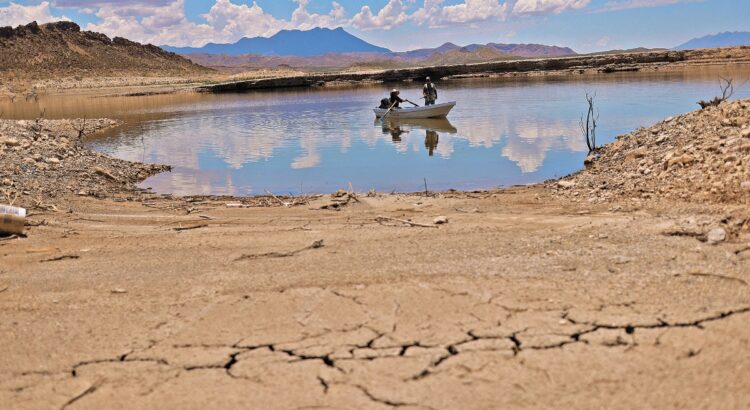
[
  {"x": 582, "y": 293},
  {"x": 45, "y": 160},
  {"x": 703, "y": 156}
]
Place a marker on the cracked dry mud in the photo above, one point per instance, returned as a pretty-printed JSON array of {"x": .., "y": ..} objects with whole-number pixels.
[{"x": 526, "y": 301}]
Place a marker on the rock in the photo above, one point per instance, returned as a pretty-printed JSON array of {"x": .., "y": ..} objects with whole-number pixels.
[
  {"x": 7, "y": 182},
  {"x": 440, "y": 220},
  {"x": 745, "y": 185},
  {"x": 52, "y": 160},
  {"x": 685, "y": 159},
  {"x": 589, "y": 160},
  {"x": 716, "y": 235},
  {"x": 745, "y": 133},
  {"x": 621, "y": 259},
  {"x": 338, "y": 194},
  {"x": 637, "y": 153},
  {"x": 118, "y": 291},
  {"x": 11, "y": 142},
  {"x": 566, "y": 184}
]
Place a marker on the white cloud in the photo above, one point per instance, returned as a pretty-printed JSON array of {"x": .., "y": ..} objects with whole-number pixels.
[
  {"x": 637, "y": 4},
  {"x": 164, "y": 21},
  {"x": 304, "y": 20},
  {"x": 225, "y": 22},
  {"x": 391, "y": 15},
  {"x": 17, "y": 14},
  {"x": 548, "y": 6},
  {"x": 435, "y": 14}
]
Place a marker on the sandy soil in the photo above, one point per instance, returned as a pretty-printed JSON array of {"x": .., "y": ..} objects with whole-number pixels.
[{"x": 519, "y": 300}]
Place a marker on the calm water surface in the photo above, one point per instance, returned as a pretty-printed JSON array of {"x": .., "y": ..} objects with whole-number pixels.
[{"x": 501, "y": 133}]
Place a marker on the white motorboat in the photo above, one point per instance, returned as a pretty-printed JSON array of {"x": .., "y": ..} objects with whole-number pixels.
[{"x": 430, "y": 111}]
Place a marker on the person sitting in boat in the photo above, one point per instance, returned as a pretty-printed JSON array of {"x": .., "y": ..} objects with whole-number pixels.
[
  {"x": 395, "y": 99},
  {"x": 429, "y": 92}
]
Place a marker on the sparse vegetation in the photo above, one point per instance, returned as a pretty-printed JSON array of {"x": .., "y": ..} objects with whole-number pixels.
[
  {"x": 588, "y": 126},
  {"x": 727, "y": 90}
]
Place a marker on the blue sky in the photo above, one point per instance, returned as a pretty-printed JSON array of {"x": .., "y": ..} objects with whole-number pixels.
[{"x": 584, "y": 25}]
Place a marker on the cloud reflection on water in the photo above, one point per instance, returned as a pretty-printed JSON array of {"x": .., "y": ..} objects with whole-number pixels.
[{"x": 230, "y": 145}]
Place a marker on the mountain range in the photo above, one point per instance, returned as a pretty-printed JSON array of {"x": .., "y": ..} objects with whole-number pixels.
[
  {"x": 317, "y": 41},
  {"x": 322, "y": 47},
  {"x": 321, "y": 41},
  {"x": 726, "y": 39}
]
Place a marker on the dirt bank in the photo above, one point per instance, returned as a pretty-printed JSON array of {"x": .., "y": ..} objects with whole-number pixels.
[
  {"x": 16, "y": 87},
  {"x": 559, "y": 66},
  {"x": 524, "y": 299}
]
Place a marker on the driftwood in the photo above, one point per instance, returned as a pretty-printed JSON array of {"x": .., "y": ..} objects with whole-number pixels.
[
  {"x": 714, "y": 275},
  {"x": 315, "y": 245},
  {"x": 381, "y": 219},
  {"x": 61, "y": 258},
  {"x": 188, "y": 228}
]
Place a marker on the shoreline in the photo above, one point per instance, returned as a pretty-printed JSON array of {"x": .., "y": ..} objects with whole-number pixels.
[
  {"x": 575, "y": 65},
  {"x": 550, "y": 67}
]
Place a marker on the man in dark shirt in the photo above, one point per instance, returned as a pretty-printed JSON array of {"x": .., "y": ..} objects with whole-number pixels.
[
  {"x": 395, "y": 99},
  {"x": 429, "y": 92}
]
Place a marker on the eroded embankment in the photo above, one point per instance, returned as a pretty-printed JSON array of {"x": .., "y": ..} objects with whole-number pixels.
[{"x": 608, "y": 63}]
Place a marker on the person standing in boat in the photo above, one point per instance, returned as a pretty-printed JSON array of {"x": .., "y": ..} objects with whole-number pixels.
[
  {"x": 429, "y": 92},
  {"x": 431, "y": 140},
  {"x": 395, "y": 99}
]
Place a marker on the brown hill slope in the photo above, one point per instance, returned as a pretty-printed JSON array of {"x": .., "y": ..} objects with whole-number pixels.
[
  {"x": 59, "y": 49},
  {"x": 466, "y": 56}
]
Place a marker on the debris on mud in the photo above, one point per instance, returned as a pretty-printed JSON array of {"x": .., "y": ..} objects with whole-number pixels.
[
  {"x": 702, "y": 156},
  {"x": 46, "y": 159}
]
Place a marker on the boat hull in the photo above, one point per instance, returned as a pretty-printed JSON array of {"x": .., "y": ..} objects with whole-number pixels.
[{"x": 431, "y": 111}]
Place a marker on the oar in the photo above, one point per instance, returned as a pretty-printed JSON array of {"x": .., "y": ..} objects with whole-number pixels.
[
  {"x": 416, "y": 105},
  {"x": 389, "y": 111}
]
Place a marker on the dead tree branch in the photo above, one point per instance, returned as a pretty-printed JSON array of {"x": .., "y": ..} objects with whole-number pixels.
[
  {"x": 727, "y": 90},
  {"x": 588, "y": 126}
]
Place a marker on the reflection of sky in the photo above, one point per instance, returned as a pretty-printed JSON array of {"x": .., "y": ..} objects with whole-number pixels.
[{"x": 500, "y": 133}]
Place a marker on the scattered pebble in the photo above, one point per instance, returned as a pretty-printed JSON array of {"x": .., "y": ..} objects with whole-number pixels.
[
  {"x": 716, "y": 236},
  {"x": 440, "y": 220}
]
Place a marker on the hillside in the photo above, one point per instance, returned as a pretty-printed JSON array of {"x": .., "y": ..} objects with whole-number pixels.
[
  {"x": 529, "y": 50},
  {"x": 467, "y": 56},
  {"x": 58, "y": 49},
  {"x": 727, "y": 39},
  {"x": 317, "y": 41},
  {"x": 447, "y": 53}
]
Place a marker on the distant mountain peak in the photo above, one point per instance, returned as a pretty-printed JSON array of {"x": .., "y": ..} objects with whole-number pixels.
[{"x": 725, "y": 39}]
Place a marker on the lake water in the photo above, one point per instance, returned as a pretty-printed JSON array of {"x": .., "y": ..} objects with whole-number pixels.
[{"x": 501, "y": 133}]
